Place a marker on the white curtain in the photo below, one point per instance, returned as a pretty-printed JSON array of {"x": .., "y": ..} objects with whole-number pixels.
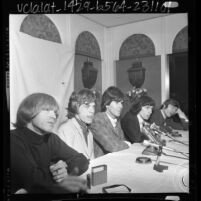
[{"x": 38, "y": 65}]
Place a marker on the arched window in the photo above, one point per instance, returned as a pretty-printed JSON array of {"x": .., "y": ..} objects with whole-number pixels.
[
  {"x": 180, "y": 43},
  {"x": 88, "y": 64},
  {"x": 86, "y": 44},
  {"x": 40, "y": 26},
  {"x": 137, "y": 45}
]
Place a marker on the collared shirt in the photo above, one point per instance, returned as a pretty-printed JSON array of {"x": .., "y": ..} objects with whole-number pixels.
[
  {"x": 113, "y": 121},
  {"x": 141, "y": 121},
  {"x": 84, "y": 128},
  {"x": 163, "y": 114},
  {"x": 114, "y": 124}
]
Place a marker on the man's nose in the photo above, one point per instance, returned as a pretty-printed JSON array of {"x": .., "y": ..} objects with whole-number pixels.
[
  {"x": 92, "y": 109},
  {"x": 52, "y": 114},
  {"x": 120, "y": 104}
]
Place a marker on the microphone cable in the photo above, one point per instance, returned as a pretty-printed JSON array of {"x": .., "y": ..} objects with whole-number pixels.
[{"x": 175, "y": 140}]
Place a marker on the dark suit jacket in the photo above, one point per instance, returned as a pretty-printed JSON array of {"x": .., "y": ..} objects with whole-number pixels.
[
  {"x": 167, "y": 124},
  {"x": 106, "y": 138},
  {"x": 131, "y": 128}
]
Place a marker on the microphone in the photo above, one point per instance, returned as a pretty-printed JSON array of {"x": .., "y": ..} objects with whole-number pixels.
[
  {"x": 157, "y": 129},
  {"x": 147, "y": 143},
  {"x": 151, "y": 133}
]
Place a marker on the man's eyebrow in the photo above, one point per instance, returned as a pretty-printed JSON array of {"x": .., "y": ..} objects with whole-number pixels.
[{"x": 87, "y": 103}]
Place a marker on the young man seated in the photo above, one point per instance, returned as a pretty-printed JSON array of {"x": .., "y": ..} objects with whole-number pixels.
[
  {"x": 106, "y": 128},
  {"x": 170, "y": 117},
  {"x": 133, "y": 120},
  {"x": 40, "y": 161},
  {"x": 75, "y": 132}
]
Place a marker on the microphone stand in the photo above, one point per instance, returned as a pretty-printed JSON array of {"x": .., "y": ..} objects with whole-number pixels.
[
  {"x": 150, "y": 150},
  {"x": 175, "y": 140},
  {"x": 157, "y": 166},
  {"x": 147, "y": 143}
]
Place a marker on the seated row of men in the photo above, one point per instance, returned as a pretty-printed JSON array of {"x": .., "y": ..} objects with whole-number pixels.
[
  {"x": 104, "y": 132},
  {"x": 44, "y": 162}
]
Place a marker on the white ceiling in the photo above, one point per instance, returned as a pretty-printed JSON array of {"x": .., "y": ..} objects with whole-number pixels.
[{"x": 112, "y": 20}]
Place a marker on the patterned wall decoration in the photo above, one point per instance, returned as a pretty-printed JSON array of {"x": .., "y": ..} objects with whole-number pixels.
[
  {"x": 180, "y": 43},
  {"x": 137, "y": 45},
  {"x": 40, "y": 26},
  {"x": 86, "y": 44}
]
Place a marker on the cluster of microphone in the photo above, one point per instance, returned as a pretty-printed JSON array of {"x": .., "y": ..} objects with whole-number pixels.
[
  {"x": 155, "y": 128},
  {"x": 154, "y": 133}
]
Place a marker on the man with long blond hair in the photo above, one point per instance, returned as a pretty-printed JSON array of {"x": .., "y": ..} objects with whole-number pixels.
[{"x": 40, "y": 161}]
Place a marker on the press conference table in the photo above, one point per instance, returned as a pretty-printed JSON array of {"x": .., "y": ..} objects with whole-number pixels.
[{"x": 142, "y": 178}]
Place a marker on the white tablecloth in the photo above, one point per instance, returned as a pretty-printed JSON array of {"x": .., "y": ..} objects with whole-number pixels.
[{"x": 142, "y": 178}]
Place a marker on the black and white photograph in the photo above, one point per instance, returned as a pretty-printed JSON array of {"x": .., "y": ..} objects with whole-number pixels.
[{"x": 99, "y": 104}]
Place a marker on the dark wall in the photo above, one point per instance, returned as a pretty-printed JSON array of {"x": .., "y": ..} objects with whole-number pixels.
[
  {"x": 178, "y": 67},
  {"x": 152, "y": 77}
]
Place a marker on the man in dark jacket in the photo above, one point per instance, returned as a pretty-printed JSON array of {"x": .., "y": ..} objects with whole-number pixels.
[
  {"x": 106, "y": 128},
  {"x": 170, "y": 116},
  {"x": 133, "y": 120}
]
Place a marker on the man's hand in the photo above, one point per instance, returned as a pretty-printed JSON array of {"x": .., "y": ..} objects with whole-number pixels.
[
  {"x": 74, "y": 184},
  {"x": 59, "y": 171},
  {"x": 181, "y": 114}
]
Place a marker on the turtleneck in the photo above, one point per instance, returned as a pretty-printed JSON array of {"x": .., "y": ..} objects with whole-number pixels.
[
  {"x": 32, "y": 155},
  {"x": 33, "y": 137}
]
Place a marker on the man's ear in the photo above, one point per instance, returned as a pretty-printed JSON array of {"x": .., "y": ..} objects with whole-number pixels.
[{"x": 77, "y": 107}]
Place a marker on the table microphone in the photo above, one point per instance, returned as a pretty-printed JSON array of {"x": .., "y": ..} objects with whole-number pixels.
[{"x": 147, "y": 143}]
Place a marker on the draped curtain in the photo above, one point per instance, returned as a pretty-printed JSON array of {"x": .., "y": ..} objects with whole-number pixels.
[{"x": 38, "y": 65}]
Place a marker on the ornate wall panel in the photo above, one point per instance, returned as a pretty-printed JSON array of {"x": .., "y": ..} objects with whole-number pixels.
[
  {"x": 40, "y": 26},
  {"x": 137, "y": 45},
  {"x": 180, "y": 43},
  {"x": 86, "y": 44}
]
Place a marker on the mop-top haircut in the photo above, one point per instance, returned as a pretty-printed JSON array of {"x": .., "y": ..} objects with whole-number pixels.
[
  {"x": 32, "y": 105},
  {"x": 170, "y": 102},
  {"x": 142, "y": 101},
  {"x": 111, "y": 94},
  {"x": 84, "y": 96}
]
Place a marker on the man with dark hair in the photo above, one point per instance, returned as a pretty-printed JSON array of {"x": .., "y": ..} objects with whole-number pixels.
[
  {"x": 75, "y": 132},
  {"x": 133, "y": 120},
  {"x": 170, "y": 116},
  {"x": 106, "y": 128},
  {"x": 40, "y": 161}
]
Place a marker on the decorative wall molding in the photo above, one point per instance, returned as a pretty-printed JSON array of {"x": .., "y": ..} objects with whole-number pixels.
[
  {"x": 40, "y": 26},
  {"x": 87, "y": 45},
  {"x": 137, "y": 45},
  {"x": 180, "y": 43}
]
